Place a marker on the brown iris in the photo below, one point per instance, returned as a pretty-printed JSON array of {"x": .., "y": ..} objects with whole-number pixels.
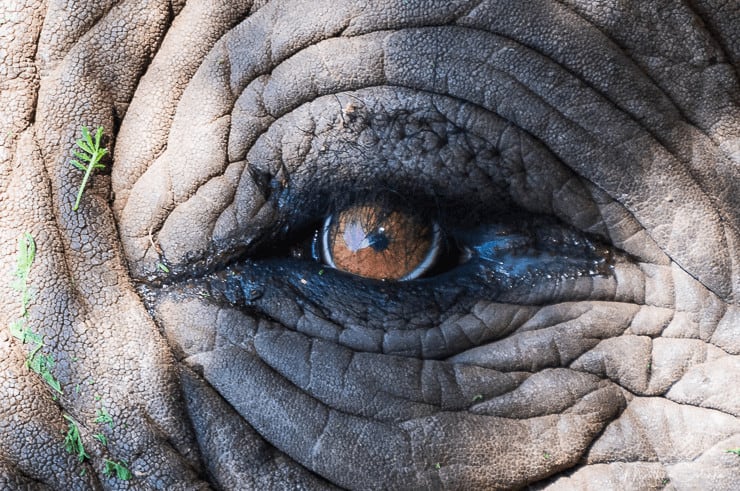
[{"x": 372, "y": 242}]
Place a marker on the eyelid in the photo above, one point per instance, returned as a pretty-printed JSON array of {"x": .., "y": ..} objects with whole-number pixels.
[{"x": 400, "y": 138}]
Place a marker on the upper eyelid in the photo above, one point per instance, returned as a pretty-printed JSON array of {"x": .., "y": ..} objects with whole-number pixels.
[
  {"x": 311, "y": 190},
  {"x": 555, "y": 192}
]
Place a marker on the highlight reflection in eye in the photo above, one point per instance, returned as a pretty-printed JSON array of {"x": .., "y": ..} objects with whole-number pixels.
[{"x": 373, "y": 242}]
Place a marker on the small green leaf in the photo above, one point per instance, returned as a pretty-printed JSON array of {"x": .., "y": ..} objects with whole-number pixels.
[
  {"x": 79, "y": 165},
  {"x": 102, "y": 417},
  {"x": 24, "y": 259},
  {"x": 736, "y": 451},
  {"x": 162, "y": 267},
  {"x": 18, "y": 329},
  {"x": 118, "y": 468},
  {"x": 26, "y": 253},
  {"x": 73, "y": 440},
  {"x": 477, "y": 397},
  {"x": 53, "y": 382},
  {"x": 31, "y": 337},
  {"x": 98, "y": 135},
  {"x": 91, "y": 154},
  {"x": 87, "y": 147},
  {"x": 101, "y": 438},
  {"x": 38, "y": 362},
  {"x": 86, "y": 136}
]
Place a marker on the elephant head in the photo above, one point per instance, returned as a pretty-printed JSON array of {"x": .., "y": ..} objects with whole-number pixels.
[{"x": 548, "y": 193}]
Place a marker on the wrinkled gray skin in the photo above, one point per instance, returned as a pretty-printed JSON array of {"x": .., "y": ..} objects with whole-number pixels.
[{"x": 620, "y": 119}]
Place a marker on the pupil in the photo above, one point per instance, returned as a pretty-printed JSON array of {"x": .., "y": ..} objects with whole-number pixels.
[{"x": 378, "y": 241}]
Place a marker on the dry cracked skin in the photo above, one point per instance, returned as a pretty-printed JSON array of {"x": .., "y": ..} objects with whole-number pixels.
[{"x": 580, "y": 329}]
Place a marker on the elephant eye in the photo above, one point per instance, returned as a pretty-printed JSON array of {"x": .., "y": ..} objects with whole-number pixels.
[{"x": 370, "y": 241}]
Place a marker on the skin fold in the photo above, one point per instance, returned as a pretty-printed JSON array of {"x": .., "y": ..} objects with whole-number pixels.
[{"x": 597, "y": 142}]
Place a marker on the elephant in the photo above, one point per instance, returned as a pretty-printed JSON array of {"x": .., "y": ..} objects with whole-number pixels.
[{"x": 546, "y": 194}]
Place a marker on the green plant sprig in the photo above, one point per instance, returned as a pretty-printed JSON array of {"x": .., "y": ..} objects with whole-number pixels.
[
  {"x": 118, "y": 468},
  {"x": 73, "y": 439},
  {"x": 42, "y": 363},
  {"x": 36, "y": 361},
  {"x": 24, "y": 259},
  {"x": 91, "y": 154},
  {"x": 102, "y": 416}
]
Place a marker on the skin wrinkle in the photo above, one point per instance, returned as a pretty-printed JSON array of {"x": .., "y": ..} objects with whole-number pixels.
[
  {"x": 526, "y": 90},
  {"x": 328, "y": 413},
  {"x": 175, "y": 52},
  {"x": 700, "y": 174},
  {"x": 515, "y": 390},
  {"x": 642, "y": 71},
  {"x": 422, "y": 397},
  {"x": 662, "y": 140},
  {"x": 714, "y": 45},
  {"x": 58, "y": 316},
  {"x": 314, "y": 453},
  {"x": 352, "y": 450},
  {"x": 21, "y": 82},
  {"x": 59, "y": 48},
  {"x": 724, "y": 15},
  {"x": 656, "y": 83},
  {"x": 649, "y": 432}
]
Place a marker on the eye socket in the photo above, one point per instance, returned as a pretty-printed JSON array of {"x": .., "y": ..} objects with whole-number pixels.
[{"x": 370, "y": 241}]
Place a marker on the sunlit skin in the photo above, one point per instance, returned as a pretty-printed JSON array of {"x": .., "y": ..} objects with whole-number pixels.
[{"x": 373, "y": 243}]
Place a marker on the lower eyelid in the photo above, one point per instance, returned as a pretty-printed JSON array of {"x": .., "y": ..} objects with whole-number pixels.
[{"x": 404, "y": 318}]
